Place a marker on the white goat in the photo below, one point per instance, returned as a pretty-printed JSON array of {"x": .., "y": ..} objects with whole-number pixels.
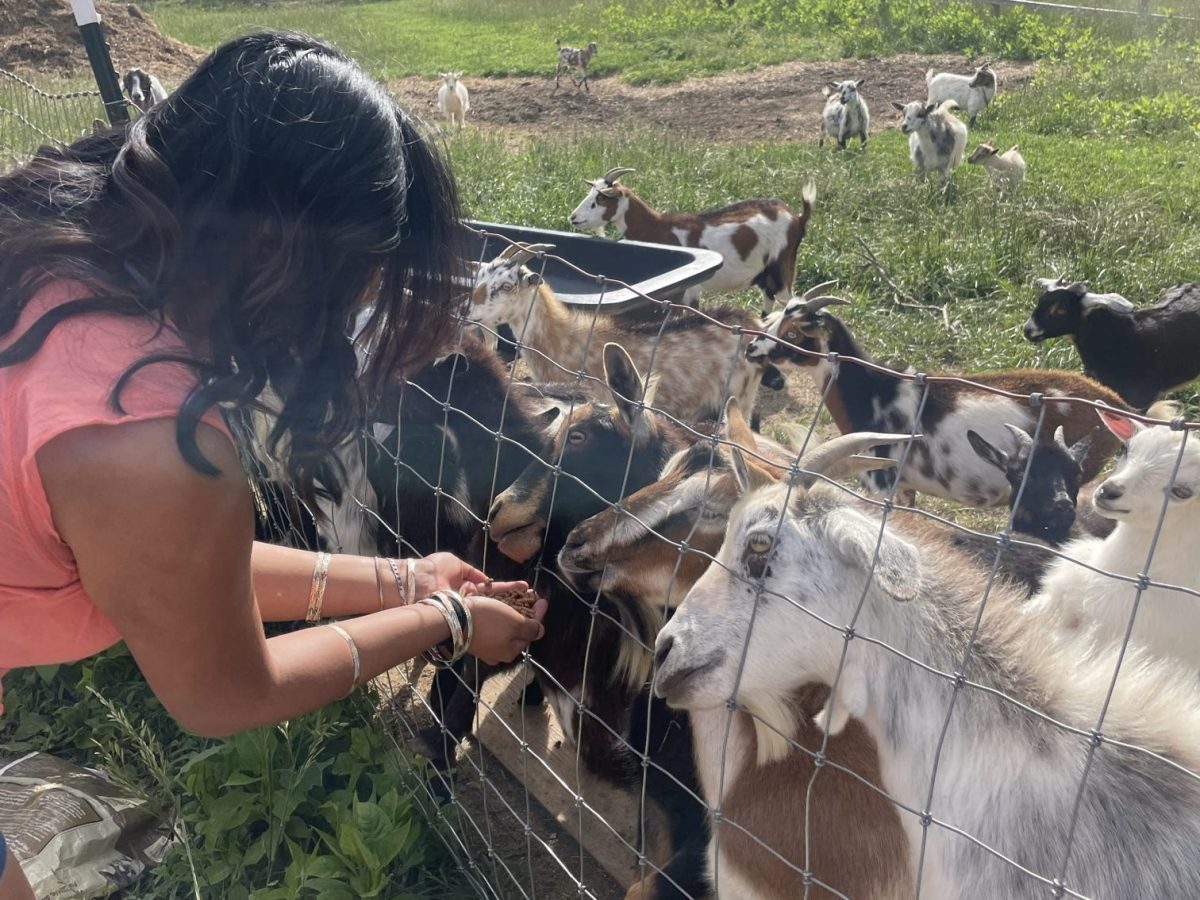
[
  {"x": 800, "y": 563},
  {"x": 453, "y": 101},
  {"x": 143, "y": 89},
  {"x": 846, "y": 114},
  {"x": 758, "y": 239},
  {"x": 936, "y": 137},
  {"x": 1167, "y": 621},
  {"x": 691, "y": 357},
  {"x": 971, "y": 92},
  {"x": 1006, "y": 170}
]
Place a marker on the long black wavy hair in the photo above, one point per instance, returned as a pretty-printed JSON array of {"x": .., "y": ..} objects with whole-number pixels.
[{"x": 256, "y": 211}]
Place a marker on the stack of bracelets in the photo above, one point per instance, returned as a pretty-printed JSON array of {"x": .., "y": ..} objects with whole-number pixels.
[{"x": 462, "y": 629}]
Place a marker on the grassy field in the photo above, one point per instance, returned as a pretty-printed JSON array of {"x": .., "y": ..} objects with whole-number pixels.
[{"x": 1111, "y": 130}]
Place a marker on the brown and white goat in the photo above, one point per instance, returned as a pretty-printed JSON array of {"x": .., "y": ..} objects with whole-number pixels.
[
  {"x": 757, "y": 239},
  {"x": 696, "y": 364},
  {"x": 943, "y": 462},
  {"x": 857, "y": 845}
]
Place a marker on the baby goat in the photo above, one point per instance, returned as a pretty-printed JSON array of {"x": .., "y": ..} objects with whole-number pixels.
[
  {"x": 1139, "y": 353},
  {"x": 1005, "y": 170},
  {"x": 697, "y": 364},
  {"x": 571, "y": 58},
  {"x": 1139, "y": 493},
  {"x": 971, "y": 92},
  {"x": 143, "y": 89},
  {"x": 942, "y": 462},
  {"x": 936, "y": 138},
  {"x": 1009, "y": 808},
  {"x": 757, "y": 239},
  {"x": 845, "y": 114},
  {"x": 453, "y": 101}
]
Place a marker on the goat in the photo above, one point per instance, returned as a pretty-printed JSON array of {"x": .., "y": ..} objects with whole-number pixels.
[
  {"x": 143, "y": 89},
  {"x": 936, "y": 138},
  {"x": 846, "y": 114},
  {"x": 1005, "y": 170},
  {"x": 857, "y": 843},
  {"x": 1007, "y": 774},
  {"x": 1144, "y": 488},
  {"x": 1139, "y": 353},
  {"x": 453, "y": 101},
  {"x": 757, "y": 239},
  {"x": 601, "y": 452},
  {"x": 971, "y": 92},
  {"x": 942, "y": 461},
  {"x": 697, "y": 363},
  {"x": 570, "y": 58}
]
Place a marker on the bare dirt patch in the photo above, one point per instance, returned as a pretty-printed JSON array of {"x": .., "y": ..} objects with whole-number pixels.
[
  {"x": 782, "y": 101},
  {"x": 41, "y": 37}
]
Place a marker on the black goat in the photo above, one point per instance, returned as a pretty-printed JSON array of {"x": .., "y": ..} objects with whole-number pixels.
[{"x": 1139, "y": 353}]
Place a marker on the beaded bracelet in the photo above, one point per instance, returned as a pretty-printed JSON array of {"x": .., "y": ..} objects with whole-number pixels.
[{"x": 316, "y": 590}]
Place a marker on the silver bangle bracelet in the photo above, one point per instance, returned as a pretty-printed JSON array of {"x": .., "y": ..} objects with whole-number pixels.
[{"x": 353, "y": 654}]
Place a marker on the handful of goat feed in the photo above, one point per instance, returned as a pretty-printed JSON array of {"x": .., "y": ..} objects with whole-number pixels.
[{"x": 521, "y": 601}]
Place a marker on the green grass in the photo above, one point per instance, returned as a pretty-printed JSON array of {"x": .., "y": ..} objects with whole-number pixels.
[{"x": 644, "y": 40}]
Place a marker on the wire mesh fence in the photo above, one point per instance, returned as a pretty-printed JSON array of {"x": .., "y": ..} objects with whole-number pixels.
[
  {"x": 31, "y": 117},
  {"x": 761, "y": 675}
]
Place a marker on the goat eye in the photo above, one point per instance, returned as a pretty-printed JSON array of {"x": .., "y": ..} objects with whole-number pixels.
[
  {"x": 576, "y": 437},
  {"x": 1181, "y": 491},
  {"x": 507, "y": 287},
  {"x": 759, "y": 542}
]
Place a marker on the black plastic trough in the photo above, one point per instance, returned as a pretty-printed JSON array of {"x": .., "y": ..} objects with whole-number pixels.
[{"x": 658, "y": 271}]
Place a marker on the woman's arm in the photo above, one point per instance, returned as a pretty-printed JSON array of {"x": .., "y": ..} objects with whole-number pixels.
[{"x": 165, "y": 553}]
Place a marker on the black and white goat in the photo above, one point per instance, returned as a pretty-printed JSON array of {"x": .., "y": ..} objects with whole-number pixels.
[
  {"x": 572, "y": 58},
  {"x": 846, "y": 114},
  {"x": 937, "y": 139},
  {"x": 758, "y": 239},
  {"x": 942, "y": 462},
  {"x": 1139, "y": 353},
  {"x": 142, "y": 88}
]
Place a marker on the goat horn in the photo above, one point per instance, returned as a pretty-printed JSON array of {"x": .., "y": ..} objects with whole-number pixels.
[
  {"x": 822, "y": 459},
  {"x": 519, "y": 254},
  {"x": 613, "y": 174},
  {"x": 818, "y": 303},
  {"x": 816, "y": 289},
  {"x": 1060, "y": 438},
  {"x": 1020, "y": 435},
  {"x": 853, "y": 465}
]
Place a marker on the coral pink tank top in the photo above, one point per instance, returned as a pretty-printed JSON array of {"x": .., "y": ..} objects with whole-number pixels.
[{"x": 45, "y": 615}]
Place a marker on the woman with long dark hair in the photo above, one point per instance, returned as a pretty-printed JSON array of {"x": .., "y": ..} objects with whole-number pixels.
[{"x": 217, "y": 249}]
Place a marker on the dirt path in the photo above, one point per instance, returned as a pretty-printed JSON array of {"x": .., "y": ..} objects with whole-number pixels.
[{"x": 782, "y": 101}]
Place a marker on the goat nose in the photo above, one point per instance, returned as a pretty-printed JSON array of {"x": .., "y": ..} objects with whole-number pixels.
[
  {"x": 662, "y": 649},
  {"x": 495, "y": 510},
  {"x": 1063, "y": 505},
  {"x": 1110, "y": 491}
]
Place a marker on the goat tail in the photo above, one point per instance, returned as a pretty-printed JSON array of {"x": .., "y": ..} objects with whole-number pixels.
[
  {"x": 929, "y": 73},
  {"x": 808, "y": 197}
]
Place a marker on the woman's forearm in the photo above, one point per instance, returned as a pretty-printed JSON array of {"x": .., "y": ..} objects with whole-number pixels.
[
  {"x": 282, "y": 577},
  {"x": 312, "y": 667}
]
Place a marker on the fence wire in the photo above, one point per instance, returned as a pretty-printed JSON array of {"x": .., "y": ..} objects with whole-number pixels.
[
  {"x": 31, "y": 117},
  {"x": 428, "y": 486}
]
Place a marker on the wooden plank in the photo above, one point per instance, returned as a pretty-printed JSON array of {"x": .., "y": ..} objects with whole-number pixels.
[{"x": 529, "y": 743}]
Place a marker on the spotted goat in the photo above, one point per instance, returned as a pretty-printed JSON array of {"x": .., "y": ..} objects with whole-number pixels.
[
  {"x": 942, "y": 462},
  {"x": 572, "y": 58},
  {"x": 845, "y": 114},
  {"x": 757, "y": 239},
  {"x": 937, "y": 139}
]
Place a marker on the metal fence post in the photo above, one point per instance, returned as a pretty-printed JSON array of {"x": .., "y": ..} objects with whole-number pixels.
[{"x": 88, "y": 21}]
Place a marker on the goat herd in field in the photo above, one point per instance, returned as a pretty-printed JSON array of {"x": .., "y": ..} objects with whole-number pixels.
[{"x": 870, "y": 697}]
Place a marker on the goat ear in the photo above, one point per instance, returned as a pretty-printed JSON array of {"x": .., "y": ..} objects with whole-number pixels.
[
  {"x": 987, "y": 452},
  {"x": 899, "y": 106},
  {"x": 748, "y": 477},
  {"x": 854, "y": 536},
  {"x": 1122, "y": 427},
  {"x": 860, "y": 82},
  {"x": 533, "y": 278},
  {"x": 621, "y": 376},
  {"x": 1080, "y": 449},
  {"x": 735, "y": 430},
  {"x": 549, "y": 416},
  {"x": 932, "y": 107},
  {"x": 1079, "y": 288}
]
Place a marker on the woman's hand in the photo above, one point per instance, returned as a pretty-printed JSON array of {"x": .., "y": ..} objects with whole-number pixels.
[
  {"x": 445, "y": 571},
  {"x": 501, "y": 632}
]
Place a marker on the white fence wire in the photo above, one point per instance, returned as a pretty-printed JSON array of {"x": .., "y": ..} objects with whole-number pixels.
[
  {"x": 30, "y": 116},
  {"x": 460, "y": 441}
]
